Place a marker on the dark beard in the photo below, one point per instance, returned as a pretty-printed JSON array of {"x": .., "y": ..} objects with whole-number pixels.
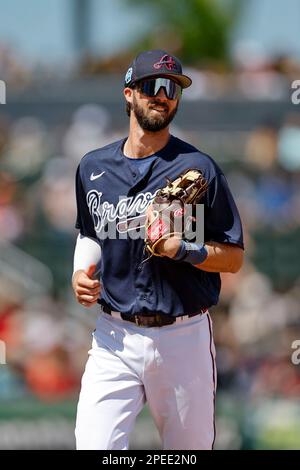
[{"x": 152, "y": 124}]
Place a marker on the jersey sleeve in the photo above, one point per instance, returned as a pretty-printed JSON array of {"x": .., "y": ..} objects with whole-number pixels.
[
  {"x": 222, "y": 219},
  {"x": 84, "y": 221}
]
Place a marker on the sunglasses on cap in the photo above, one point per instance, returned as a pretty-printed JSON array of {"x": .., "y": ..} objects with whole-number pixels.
[{"x": 151, "y": 87}]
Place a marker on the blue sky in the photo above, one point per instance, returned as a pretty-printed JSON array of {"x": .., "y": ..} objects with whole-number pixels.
[
  {"x": 275, "y": 24},
  {"x": 36, "y": 28},
  {"x": 42, "y": 29}
]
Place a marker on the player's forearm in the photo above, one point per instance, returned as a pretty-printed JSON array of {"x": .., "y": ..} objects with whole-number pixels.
[{"x": 222, "y": 258}]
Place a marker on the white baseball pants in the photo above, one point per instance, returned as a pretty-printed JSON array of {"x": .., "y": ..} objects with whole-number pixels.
[{"x": 171, "y": 367}]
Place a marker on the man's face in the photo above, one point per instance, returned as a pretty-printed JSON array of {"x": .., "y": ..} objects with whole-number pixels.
[{"x": 153, "y": 113}]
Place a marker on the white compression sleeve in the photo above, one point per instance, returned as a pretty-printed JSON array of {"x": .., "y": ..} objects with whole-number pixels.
[{"x": 87, "y": 252}]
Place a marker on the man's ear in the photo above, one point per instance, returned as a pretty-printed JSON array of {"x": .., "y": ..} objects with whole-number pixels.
[{"x": 128, "y": 94}]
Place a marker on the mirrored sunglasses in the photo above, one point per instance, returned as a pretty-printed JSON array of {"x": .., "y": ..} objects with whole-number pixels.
[{"x": 151, "y": 87}]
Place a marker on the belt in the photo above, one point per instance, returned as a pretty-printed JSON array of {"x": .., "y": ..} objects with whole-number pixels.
[{"x": 152, "y": 319}]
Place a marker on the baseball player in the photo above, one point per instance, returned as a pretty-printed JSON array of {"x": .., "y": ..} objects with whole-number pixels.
[{"x": 153, "y": 340}]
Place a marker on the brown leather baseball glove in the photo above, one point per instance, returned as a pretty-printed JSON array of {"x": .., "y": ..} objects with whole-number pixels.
[{"x": 166, "y": 217}]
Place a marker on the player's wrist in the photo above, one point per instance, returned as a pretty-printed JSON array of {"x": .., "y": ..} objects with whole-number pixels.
[
  {"x": 75, "y": 276},
  {"x": 193, "y": 253},
  {"x": 169, "y": 247}
]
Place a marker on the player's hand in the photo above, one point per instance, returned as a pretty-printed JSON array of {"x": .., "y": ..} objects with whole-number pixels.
[
  {"x": 86, "y": 289},
  {"x": 167, "y": 247}
]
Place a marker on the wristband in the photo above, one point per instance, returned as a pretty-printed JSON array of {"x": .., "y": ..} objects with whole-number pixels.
[{"x": 192, "y": 253}]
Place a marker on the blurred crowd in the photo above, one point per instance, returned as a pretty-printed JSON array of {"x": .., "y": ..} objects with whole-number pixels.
[
  {"x": 47, "y": 334},
  {"x": 46, "y": 343},
  {"x": 250, "y": 73}
]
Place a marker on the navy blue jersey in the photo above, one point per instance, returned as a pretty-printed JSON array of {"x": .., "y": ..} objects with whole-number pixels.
[{"x": 112, "y": 195}]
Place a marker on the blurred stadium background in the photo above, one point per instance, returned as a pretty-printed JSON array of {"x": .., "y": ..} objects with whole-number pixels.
[{"x": 63, "y": 64}]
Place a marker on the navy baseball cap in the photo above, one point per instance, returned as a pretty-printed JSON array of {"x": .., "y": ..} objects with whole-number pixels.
[{"x": 156, "y": 63}]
